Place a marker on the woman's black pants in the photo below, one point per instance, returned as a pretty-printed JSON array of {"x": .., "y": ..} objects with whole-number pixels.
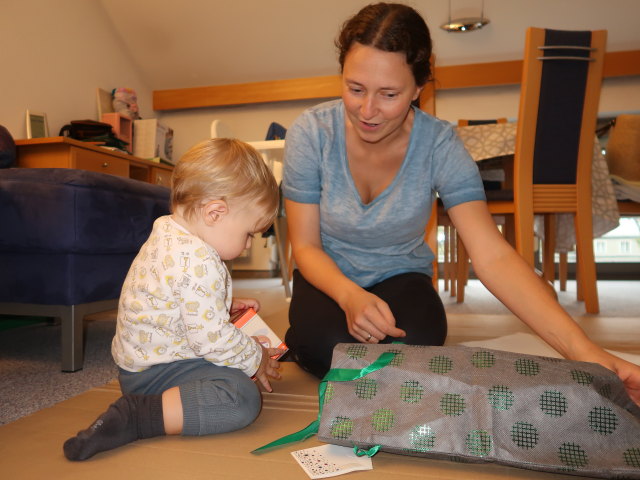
[{"x": 317, "y": 323}]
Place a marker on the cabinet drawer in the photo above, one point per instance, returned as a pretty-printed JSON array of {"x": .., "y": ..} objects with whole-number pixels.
[
  {"x": 99, "y": 162},
  {"x": 160, "y": 176}
]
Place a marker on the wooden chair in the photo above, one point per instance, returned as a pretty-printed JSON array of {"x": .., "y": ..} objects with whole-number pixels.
[
  {"x": 427, "y": 103},
  {"x": 623, "y": 159},
  {"x": 560, "y": 90},
  {"x": 456, "y": 260}
]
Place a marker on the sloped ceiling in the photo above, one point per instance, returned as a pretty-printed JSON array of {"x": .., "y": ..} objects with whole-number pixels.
[{"x": 188, "y": 43}]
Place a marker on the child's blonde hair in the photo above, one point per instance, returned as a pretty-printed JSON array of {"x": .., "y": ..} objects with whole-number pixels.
[{"x": 223, "y": 169}]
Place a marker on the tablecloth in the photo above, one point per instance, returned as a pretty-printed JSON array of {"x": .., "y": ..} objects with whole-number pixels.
[{"x": 484, "y": 142}]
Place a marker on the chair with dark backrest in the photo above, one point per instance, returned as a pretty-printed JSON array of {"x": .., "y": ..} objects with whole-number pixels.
[
  {"x": 456, "y": 261},
  {"x": 560, "y": 90},
  {"x": 427, "y": 103},
  {"x": 623, "y": 160}
]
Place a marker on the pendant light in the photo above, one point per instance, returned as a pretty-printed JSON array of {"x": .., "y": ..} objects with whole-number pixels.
[{"x": 467, "y": 24}]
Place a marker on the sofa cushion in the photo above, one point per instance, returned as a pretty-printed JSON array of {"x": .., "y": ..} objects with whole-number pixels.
[
  {"x": 69, "y": 236},
  {"x": 57, "y": 210}
]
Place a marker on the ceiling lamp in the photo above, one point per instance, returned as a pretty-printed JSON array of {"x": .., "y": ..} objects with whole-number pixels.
[{"x": 465, "y": 24}]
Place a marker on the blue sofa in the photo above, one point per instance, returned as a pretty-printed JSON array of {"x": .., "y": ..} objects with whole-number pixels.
[{"x": 67, "y": 240}]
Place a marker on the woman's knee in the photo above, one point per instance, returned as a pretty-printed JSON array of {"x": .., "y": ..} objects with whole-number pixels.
[{"x": 416, "y": 306}]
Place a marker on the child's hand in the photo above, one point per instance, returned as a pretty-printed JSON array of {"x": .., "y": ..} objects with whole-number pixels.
[
  {"x": 242, "y": 304},
  {"x": 268, "y": 366}
]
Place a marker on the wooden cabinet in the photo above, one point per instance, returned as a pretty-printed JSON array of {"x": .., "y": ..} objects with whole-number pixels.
[
  {"x": 97, "y": 162},
  {"x": 64, "y": 152},
  {"x": 161, "y": 176}
]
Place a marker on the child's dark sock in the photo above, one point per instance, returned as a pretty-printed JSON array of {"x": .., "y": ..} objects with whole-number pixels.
[{"x": 129, "y": 418}]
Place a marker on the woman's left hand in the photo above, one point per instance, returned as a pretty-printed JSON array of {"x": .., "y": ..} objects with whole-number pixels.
[
  {"x": 242, "y": 304},
  {"x": 628, "y": 372}
]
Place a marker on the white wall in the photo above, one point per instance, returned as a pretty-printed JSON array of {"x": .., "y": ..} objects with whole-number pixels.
[
  {"x": 54, "y": 54},
  {"x": 502, "y": 39}
]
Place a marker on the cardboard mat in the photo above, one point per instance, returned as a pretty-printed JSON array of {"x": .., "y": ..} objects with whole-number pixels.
[{"x": 32, "y": 446}]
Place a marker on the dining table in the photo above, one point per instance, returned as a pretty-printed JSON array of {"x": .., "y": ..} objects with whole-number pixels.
[{"x": 487, "y": 143}]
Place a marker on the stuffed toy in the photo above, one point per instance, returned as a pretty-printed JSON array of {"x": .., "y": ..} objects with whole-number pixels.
[{"x": 125, "y": 101}]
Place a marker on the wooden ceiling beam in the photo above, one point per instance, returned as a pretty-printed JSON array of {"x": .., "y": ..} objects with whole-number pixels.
[{"x": 616, "y": 64}]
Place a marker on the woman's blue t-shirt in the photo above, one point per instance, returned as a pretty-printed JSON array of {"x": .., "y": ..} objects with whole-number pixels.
[{"x": 372, "y": 242}]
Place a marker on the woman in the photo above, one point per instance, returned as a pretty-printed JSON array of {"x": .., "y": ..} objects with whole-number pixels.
[{"x": 359, "y": 179}]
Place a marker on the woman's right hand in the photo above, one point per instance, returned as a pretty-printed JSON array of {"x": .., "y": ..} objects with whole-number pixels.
[
  {"x": 369, "y": 318},
  {"x": 366, "y": 313}
]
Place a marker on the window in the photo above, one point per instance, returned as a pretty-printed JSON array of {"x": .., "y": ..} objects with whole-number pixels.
[
  {"x": 620, "y": 245},
  {"x": 625, "y": 246}
]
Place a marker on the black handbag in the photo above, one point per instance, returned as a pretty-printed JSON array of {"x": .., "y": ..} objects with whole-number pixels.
[{"x": 92, "y": 131}]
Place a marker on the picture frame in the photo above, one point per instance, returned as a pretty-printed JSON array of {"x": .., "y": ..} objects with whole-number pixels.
[{"x": 37, "y": 124}]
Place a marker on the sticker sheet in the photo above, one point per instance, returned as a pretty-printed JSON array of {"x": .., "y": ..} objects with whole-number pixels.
[{"x": 330, "y": 460}]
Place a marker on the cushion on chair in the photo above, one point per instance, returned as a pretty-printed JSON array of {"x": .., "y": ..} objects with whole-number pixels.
[
  {"x": 562, "y": 92},
  {"x": 71, "y": 235}
]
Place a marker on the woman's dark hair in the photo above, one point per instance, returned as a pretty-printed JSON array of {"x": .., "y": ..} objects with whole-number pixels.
[{"x": 390, "y": 27}]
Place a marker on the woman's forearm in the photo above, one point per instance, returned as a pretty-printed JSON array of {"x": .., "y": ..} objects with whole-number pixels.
[
  {"x": 530, "y": 300},
  {"x": 512, "y": 280}
]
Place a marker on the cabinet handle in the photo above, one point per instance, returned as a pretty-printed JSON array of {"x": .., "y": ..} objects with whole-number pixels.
[{"x": 105, "y": 164}]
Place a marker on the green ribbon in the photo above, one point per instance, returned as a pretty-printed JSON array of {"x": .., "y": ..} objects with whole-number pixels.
[
  {"x": 360, "y": 452},
  {"x": 333, "y": 375}
]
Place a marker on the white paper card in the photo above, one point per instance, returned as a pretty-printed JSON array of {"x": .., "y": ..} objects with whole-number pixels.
[{"x": 330, "y": 460}]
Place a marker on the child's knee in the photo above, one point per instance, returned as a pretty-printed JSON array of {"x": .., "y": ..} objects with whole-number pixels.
[
  {"x": 249, "y": 401},
  {"x": 221, "y": 405}
]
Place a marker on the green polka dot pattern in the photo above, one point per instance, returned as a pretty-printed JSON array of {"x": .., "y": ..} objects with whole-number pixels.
[
  {"x": 526, "y": 366},
  {"x": 422, "y": 438},
  {"x": 357, "y": 351},
  {"x": 440, "y": 364},
  {"x": 632, "y": 457},
  {"x": 382, "y": 420},
  {"x": 341, "y": 427},
  {"x": 398, "y": 359},
  {"x": 483, "y": 359},
  {"x": 329, "y": 392},
  {"x": 583, "y": 378},
  {"x": 472, "y": 404},
  {"x": 411, "y": 391},
  {"x": 452, "y": 404},
  {"x": 500, "y": 397},
  {"x": 479, "y": 443},
  {"x": 553, "y": 403},
  {"x": 572, "y": 455},
  {"x": 605, "y": 391},
  {"x": 524, "y": 435},
  {"x": 603, "y": 420},
  {"x": 366, "y": 388}
]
